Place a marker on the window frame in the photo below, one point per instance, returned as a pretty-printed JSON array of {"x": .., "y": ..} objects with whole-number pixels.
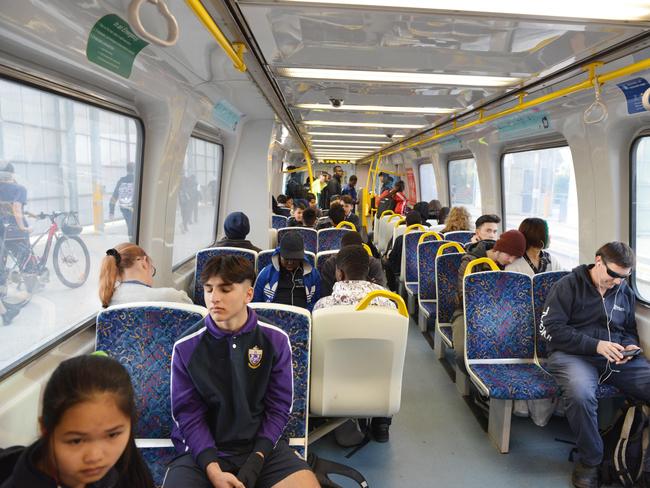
[
  {"x": 632, "y": 211},
  {"x": 435, "y": 181},
  {"x": 206, "y": 136},
  {"x": 458, "y": 156},
  {"x": 60, "y": 90}
]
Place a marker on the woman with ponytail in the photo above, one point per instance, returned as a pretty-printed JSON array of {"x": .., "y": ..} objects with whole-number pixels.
[
  {"x": 126, "y": 276},
  {"x": 87, "y": 424}
]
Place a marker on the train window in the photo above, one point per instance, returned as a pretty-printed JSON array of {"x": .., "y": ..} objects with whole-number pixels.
[
  {"x": 541, "y": 183},
  {"x": 640, "y": 238},
  {"x": 198, "y": 199},
  {"x": 428, "y": 187},
  {"x": 464, "y": 188},
  {"x": 68, "y": 191}
]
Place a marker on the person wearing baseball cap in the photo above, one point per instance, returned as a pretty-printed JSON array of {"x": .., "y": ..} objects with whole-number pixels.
[
  {"x": 290, "y": 278},
  {"x": 510, "y": 246}
]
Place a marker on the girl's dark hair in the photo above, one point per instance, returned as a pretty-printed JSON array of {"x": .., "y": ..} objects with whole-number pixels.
[
  {"x": 399, "y": 186},
  {"x": 535, "y": 230},
  {"x": 231, "y": 269},
  {"x": 81, "y": 378},
  {"x": 442, "y": 215}
]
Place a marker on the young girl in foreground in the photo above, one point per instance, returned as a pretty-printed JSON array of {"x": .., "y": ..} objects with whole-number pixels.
[{"x": 86, "y": 431}]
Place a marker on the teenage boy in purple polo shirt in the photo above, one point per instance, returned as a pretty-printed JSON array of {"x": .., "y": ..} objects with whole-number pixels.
[{"x": 232, "y": 392}]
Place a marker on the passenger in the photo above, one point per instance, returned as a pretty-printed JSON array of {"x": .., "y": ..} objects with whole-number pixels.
[
  {"x": 510, "y": 246},
  {"x": 335, "y": 216},
  {"x": 423, "y": 209},
  {"x": 350, "y": 189},
  {"x": 487, "y": 227},
  {"x": 126, "y": 276},
  {"x": 434, "y": 209},
  {"x": 282, "y": 208},
  {"x": 588, "y": 322},
  {"x": 318, "y": 184},
  {"x": 393, "y": 262},
  {"x": 350, "y": 216},
  {"x": 296, "y": 219},
  {"x": 86, "y": 426},
  {"x": 536, "y": 260},
  {"x": 123, "y": 194},
  {"x": 289, "y": 279},
  {"x": 333, "y": 187},
  {"x": 397, "y": 193},
  {"x": 312, "y": 202},
  {"x": 294, "y": 188},
  {"x": 442, "y": 215},
  {"x": 231, "y": 392},
  {"x": 458, "y": 219},
  {"x": 236, "y": 227},
  {"x": 309, "y": 218},
  {"x": 376, "y": 273},
  {"x": 386, "y": 182}
]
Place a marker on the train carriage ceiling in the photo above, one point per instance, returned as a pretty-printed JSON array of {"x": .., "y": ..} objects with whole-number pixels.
[{"x": 396, "y": 70}]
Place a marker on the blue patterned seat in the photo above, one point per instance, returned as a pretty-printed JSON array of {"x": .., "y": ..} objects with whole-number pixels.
[
  {"x": 330, "y": 239},
  {"x": 446, "y": 292},
  {"x": 141, "y": 337},
  {"x": 309, "y": 237},
  {"x": 426, "y": 275},
  {"x": 204, "y": 255},
  {"x": 278, "y": 221},
  {"x": 296, "y": 322},
  {"x": 264, "y": 258},
  {"x": 322, "y": 258},
  {"x": 461, "y": 236},
  {"x": 525, "y": 382}
]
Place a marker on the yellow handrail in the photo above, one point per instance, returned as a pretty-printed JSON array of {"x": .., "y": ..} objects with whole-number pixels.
[
  {"x": 386, "y": 212},
  {"x": 234, "y": 51},
  {"x": 478, "y": 261},
  {"x": 401, "y": 221},
  {"x": 429, "y": 233},
  {"x": 413, "y": 227},
  {"x": 345, "y": 223},
  {"x": 392, "y": 217},
  {"x": 367, "y": 248},
  {"x": 309, "y": 168},
  {"x": 365, "y": 302},
  {"x": 448, "y": 245},
  {"x": 588, "y": 84}
]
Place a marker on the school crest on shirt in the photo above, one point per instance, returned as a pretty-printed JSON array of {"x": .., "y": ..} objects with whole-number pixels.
[{"x": 255, "y": 357}]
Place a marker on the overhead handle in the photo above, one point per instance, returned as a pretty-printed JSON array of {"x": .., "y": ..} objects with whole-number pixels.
[{"x": 136, "y": 23}]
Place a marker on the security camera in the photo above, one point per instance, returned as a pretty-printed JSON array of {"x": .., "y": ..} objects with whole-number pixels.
[
  {"x": 336, "y": 96},
  {"x": 390, "y": 136},
  {"x": 336, "y": 102}
]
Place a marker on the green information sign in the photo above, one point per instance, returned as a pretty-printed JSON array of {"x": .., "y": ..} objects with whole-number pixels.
[{"x": 113, "y": 45}]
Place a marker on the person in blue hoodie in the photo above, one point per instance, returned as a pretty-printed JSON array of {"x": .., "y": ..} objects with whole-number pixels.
[
  {"x": 590, "y": 328},
  {"x": 289, "y": 279},
  {"x": 232, "y": 392}
]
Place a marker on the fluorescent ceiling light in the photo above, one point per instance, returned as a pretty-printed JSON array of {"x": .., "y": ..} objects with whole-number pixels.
[
  {"x": 327, "y": 123},
  {"x": 348, "y": 134},
  {"x": 338, "y": 141},
  {"x": 397, "y": 77},
  {"x": 343, "y": 147},
  {"x": 377, "y": 108},
  {"x": 621, "y": 10}
]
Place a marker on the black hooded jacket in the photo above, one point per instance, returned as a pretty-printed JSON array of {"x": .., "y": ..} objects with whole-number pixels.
[{"x": 576, "y": 317}]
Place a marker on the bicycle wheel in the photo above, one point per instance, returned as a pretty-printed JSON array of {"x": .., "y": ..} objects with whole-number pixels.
[{"x": 71, "y": 261}]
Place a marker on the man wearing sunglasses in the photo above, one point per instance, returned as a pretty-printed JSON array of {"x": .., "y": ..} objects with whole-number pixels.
[{"x": 589, "y": 324}]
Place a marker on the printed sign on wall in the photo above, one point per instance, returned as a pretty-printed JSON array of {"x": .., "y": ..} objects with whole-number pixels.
[
  {"x": 412, "y": 190},
  {"x": 633, "y": 90},
  {"x": 226, "y": 115},
  {"x": 113, "y": 45}
]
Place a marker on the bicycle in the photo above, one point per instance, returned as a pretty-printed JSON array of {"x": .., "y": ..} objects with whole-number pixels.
[{"x": 70, "y": 254}]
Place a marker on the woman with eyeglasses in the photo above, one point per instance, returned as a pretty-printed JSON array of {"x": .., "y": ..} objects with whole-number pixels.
[{"x": 126, "y": 276}]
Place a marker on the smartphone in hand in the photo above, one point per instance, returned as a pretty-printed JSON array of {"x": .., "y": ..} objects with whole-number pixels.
[{"x": 633, "y": 352}]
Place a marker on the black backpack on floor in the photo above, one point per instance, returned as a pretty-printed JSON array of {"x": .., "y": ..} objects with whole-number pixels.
[{"x": 626, "y": 457}]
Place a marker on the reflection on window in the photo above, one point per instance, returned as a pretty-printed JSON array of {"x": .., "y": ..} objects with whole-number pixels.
[
  {"x": 428, "y": 183},
  {"x": 641, "y": 216},
  {"x": 198, "y": 199},
  {"x": 75, "y": 164},
  {"x": 542, "y": 183},
  {"x": 464, "y": 188}
]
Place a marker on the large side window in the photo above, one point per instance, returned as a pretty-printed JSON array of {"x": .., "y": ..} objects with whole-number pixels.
[
  {"x": 198, "y": 199},
  {"x": 68, "y": 192},
  {"x": 640, "y": 238},
  {"x": 464, "y": 188},
  {"x": 541, "y": 183},
  {"x": 428, "y": 187}
]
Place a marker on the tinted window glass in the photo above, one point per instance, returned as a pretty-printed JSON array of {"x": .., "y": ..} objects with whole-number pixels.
[
  {"x": 641, "y": 216},
  {"x": 464, "y": 188},
  {"x": 428, "y": 183}
]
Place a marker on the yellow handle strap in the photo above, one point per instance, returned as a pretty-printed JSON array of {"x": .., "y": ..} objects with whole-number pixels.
[
  {"x": 449, "y": 245},
  {"x": 413, "y": 227},
  {"x": 387, "y": 212},
  {"x": 401, "y": 306},
  {"x": 367, "y": 248},
  {"x": 345, "y": 223},
  {"x": 430, "y": 233},
  {"x": 478, "y": 261}
]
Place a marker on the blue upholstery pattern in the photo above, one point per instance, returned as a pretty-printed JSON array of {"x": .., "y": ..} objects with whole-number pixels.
[
  {"x": 322, "y": 259},
  {"x": 157, "y": 459},
  {"x": 462, "y": 236},
  {"x": 426, "y": 254},
  {"x": 142, "y": 339},
  {"x": 447, "y": 285},
  {"x": 204, "y": 255},
  {"x": 412, "y": 288},
  {"x": 264, "y": 259},
  {"x": 410, "y": 250},
  {"x": 330, "y": 239},
  {"x": 298, "y": 326},
  {"x": 499, "y": 316},
  {"x": 278, "y": 221},
  {"x": 542, "y": 284},
  {"x": 429, "y": 307},
  {"x": 446, "y": 332},
  {"x": 516, "y": 381},
  {"x": 309, "y": 236}
]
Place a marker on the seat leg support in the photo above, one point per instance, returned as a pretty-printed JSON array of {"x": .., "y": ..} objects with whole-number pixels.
[
  {"x": 462, "y": 381},
  {"x": 499, "y": 424},
  {"x": 411, "y": 302},
  {"x": 438, "y": 345}
]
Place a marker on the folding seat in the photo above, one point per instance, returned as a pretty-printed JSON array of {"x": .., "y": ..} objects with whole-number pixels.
[
  {"x": 141, "y": 337},
  {"x": 460, "y": 236},
  {"x": 204, "y": 255},
  {"x": 309, "y": 237},
  {"x": 426, "y": 275},
  {"x": 330, "y": 239},
  {"x": 278, "y": 221},
  {"x": 500, "y": 345},
  {"x": 446, "y": 266},
  {"x": 386, "y": 225},
  {"x": 264, "y": 258},
  {"x": 379, "y": 219}
]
